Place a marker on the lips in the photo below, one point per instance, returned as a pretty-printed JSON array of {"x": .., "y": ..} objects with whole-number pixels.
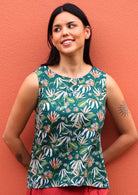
[{"x": 67, "y": 41}]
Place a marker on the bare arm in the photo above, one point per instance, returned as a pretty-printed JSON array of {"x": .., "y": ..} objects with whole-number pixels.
[
  {"x": 123, "y": 119},
  {"x": 23, "y": 107}
]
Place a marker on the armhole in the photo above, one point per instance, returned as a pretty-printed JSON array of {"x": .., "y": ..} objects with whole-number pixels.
[
  {"x": 106, "y": 85},
  {"x": 40, "y": 76}
]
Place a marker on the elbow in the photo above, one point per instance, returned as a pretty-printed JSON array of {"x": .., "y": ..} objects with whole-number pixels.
[
  {"x": 134, "y": 138},
  {"x": 5, "y": 138}
]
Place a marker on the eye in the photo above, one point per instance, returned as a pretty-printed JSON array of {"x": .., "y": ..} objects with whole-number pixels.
[
  {"x": 56, "y": 29},
  {"x": 71, "y": 25}
]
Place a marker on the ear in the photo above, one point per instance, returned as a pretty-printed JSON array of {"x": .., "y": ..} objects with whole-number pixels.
[
  {"x": 87, "y": 32},
  {"x": 51, "y": 39}
]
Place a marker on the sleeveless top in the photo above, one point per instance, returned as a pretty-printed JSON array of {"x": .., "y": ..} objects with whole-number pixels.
[{"x": 70, "y": 114}]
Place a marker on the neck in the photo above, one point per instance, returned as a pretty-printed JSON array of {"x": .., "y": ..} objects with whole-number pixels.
[{"x": 71, "y": 65}]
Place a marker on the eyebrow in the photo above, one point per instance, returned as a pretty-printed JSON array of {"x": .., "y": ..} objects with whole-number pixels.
[{"x": 58, "y": 25}]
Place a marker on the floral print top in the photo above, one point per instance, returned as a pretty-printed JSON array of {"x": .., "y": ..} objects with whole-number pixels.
[{"x": 69, "y": 117}]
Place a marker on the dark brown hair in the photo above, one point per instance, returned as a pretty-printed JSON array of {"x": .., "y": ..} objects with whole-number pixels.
[{"x": 54, "y": 56}]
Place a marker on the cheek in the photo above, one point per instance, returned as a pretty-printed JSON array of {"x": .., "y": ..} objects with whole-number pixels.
[
  {"x": 79, "y": 33},
  {"x": 56, "y": 39}
]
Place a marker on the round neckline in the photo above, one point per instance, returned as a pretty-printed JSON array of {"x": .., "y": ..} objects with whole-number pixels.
[{"x": 65, "y": 77}]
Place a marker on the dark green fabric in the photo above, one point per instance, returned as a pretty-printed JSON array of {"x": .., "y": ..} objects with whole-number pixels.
[{"x": 67, "y": 144}]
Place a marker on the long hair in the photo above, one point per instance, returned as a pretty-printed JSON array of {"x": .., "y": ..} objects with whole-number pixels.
[{"x": 54, "y": 56}]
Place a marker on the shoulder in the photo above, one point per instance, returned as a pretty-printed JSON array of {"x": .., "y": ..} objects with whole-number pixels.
[
  {"x": 97, "y": 70},
  {"x": 31, "y": 81},
  {"x": 114, "y": 92},
  {"x": 29, "y": 88},
  {"x": 111, "y": 84},
  {"x": 99, "y": 75}
]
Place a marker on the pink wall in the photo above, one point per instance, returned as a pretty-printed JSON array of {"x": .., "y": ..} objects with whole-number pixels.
[{"x": 23, "y": 47}]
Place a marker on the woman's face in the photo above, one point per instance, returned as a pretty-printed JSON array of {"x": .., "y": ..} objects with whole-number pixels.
[{"x": 69, "y": 34}]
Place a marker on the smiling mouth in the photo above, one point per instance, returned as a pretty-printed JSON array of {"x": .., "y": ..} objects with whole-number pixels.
[{"x": 67, "y": 42}]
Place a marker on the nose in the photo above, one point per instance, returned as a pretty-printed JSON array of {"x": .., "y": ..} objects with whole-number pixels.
[{"x": 65, "y": 31}]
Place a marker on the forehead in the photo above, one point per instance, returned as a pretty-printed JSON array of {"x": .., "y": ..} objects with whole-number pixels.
[{"x": 65, "y": 17}]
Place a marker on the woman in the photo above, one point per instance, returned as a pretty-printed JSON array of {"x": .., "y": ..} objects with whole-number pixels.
[{"x": 69, "y": 96}]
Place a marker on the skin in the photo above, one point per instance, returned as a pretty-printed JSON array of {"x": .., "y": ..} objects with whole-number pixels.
[
  {"x": 71, "y": 65},
  {"x": 67, "y": 26}
]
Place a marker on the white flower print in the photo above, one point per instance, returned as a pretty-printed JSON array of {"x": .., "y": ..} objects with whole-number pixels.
[
  {"x": 62, "y": 126},
  {"x": 47, "y": 150},
  {"x": 53, "y": 117},
  {"x": 53, "y": 138},
  {"x": 99, "y": 94},
  {"x": 82, "y": 139},
  {"x": 38, "y": 117},
  {"x": 92, "y": 103},
  {"x": 64, "y": 139},
  {"x": 44, "y": 131},
  {"x": 96, "y": 73},
  {"x": 84, "y": 88},
  {"x": 55, "y": 163},
  {"x": 64, "y": 174},
  {"x": 97, "y": 171},
  {"x": 100, "y": 115},
  {"x": 78, "y": 125},
  {"x": 86, "y": 109},
  {"x": 35, "y": 164},
  {"x": 46, "y": 105},
  {"x": 58, "y": 81},
  {"x": 79, "y": 95},
  {"x": 90, "y": 82},
  {"x": 77, "y": 165},
  {"x": 59, "y": 94},
  {"x": 42, "y": 179},
  {"x": 55, "y": 183},
  {"x": 91, "y": 131},
  {"x": 69, "y": 116},
  {"x": 85, "y": 157},
  {"x": 78, "y": 182},
  {"x": 98, "y": 184},
  {"x": 45, "y": 82},
  {"x": 49, "y": 73},
  {"x": 50, "y": 93},
  {"x": 102, "y": 81},
  {"x": 90, "y": 162},
  {"x": 76, "y": 117}
]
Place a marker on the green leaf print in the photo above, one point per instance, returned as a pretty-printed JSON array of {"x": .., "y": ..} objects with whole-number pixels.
[
  {"x": 41, "y": 172},
  {"x": 83, "y": 150},
  {"x": 66, "y": 120},
  {"x": 67, "y": 167},
  {"x": 90, "y": 115},
  {"x": 88, "y": 124},
  {"x": 43, "y": 118},
  {"x": 38, "y": 151},
  {"x": 62, "y": 108},
  {"x": 69, "y": 117},
  {"x": 70, "y": 100},
  {"x": 44, "y": 163},
  {"x": 39, "y": 73},
  {"x": 82, "y": 104},
  {"x": 82, "y": 81},
  {"x": 100, "y": 166},
  {"x": 56, "y": 175},
  {"x": 73, "y": 145}
]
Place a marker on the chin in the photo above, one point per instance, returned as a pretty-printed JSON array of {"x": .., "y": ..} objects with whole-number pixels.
[{"x": 71, "y": 52}]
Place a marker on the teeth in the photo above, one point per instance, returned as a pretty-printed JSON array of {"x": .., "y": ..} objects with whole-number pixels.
[{"x": 66, "y": 42}]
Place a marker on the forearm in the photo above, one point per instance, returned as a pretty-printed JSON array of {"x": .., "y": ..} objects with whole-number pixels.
[
  {"x": 118, "y": 147},
  {"x": 18, "y": 149}
]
